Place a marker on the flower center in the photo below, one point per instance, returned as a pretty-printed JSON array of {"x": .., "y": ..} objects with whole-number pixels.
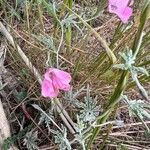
[{"x": 113, "y": 7}]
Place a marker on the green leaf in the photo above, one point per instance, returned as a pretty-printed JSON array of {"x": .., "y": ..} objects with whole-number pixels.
[
  {"x": 44, "y": 119},
  {"x": 138, "y": 108},
  {"x": 49, "y": 117},
  {"x": 120, "y": 66},
  {"x": 141, "y": 70},
  {"x": 3, "y": 86},
  {"x": 20, "y": 96},
  {"x": 31, "y": 140},
  {"x": 61, "y": 139}
]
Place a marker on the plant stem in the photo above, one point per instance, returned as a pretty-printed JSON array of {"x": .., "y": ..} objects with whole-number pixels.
[{"x": 69, "y": 3}]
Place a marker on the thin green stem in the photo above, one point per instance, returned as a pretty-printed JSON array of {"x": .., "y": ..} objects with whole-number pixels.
[{"x": 69, "y": 3}]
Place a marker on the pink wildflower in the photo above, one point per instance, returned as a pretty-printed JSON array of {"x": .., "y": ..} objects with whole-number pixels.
[
  {"x": 55, "y": 80},
  {"x": 121, "y": 9}
]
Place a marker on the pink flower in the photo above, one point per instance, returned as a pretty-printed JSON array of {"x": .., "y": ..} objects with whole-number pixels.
[
  {"x": 55, "y": 80},
  {"x": 121, "y": 9}
]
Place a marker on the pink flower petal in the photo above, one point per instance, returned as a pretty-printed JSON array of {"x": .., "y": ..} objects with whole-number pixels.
[
  {"x": 61, "y": 85},
  {"x": 61, "y": 79},
  {"x": 48, "y": 75},
  {"x": 62, "y": 75},
  {"x": 48, "y": 89},
  {"x": 118, "y": 4},
  {"x": 120, "y": 8},
  {"x": 55, "y": 79},
  {"x": 125, "y": 15}
]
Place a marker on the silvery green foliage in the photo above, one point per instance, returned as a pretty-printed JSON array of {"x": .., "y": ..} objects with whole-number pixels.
[
  {"x": 60, "y": 135},
  {"x": 48, "y": 41},
  {"x": 71, "y": 20},
  {"x": 135, "y": 78},
  {"x": 80, "y": 128},
  {"x": 2, "y": 86},
  {"x": 129, "y": 60},
  {"x": 72, "y": 96},
  {"x": 46, "y": 120},
  {"x": 46, "y": 115},
  {"x": 30, "y": 140},
  {"x": 138, "y": 108},
  {"x": 89, "y": 109},
  {"x": 61, "y": 139}
]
